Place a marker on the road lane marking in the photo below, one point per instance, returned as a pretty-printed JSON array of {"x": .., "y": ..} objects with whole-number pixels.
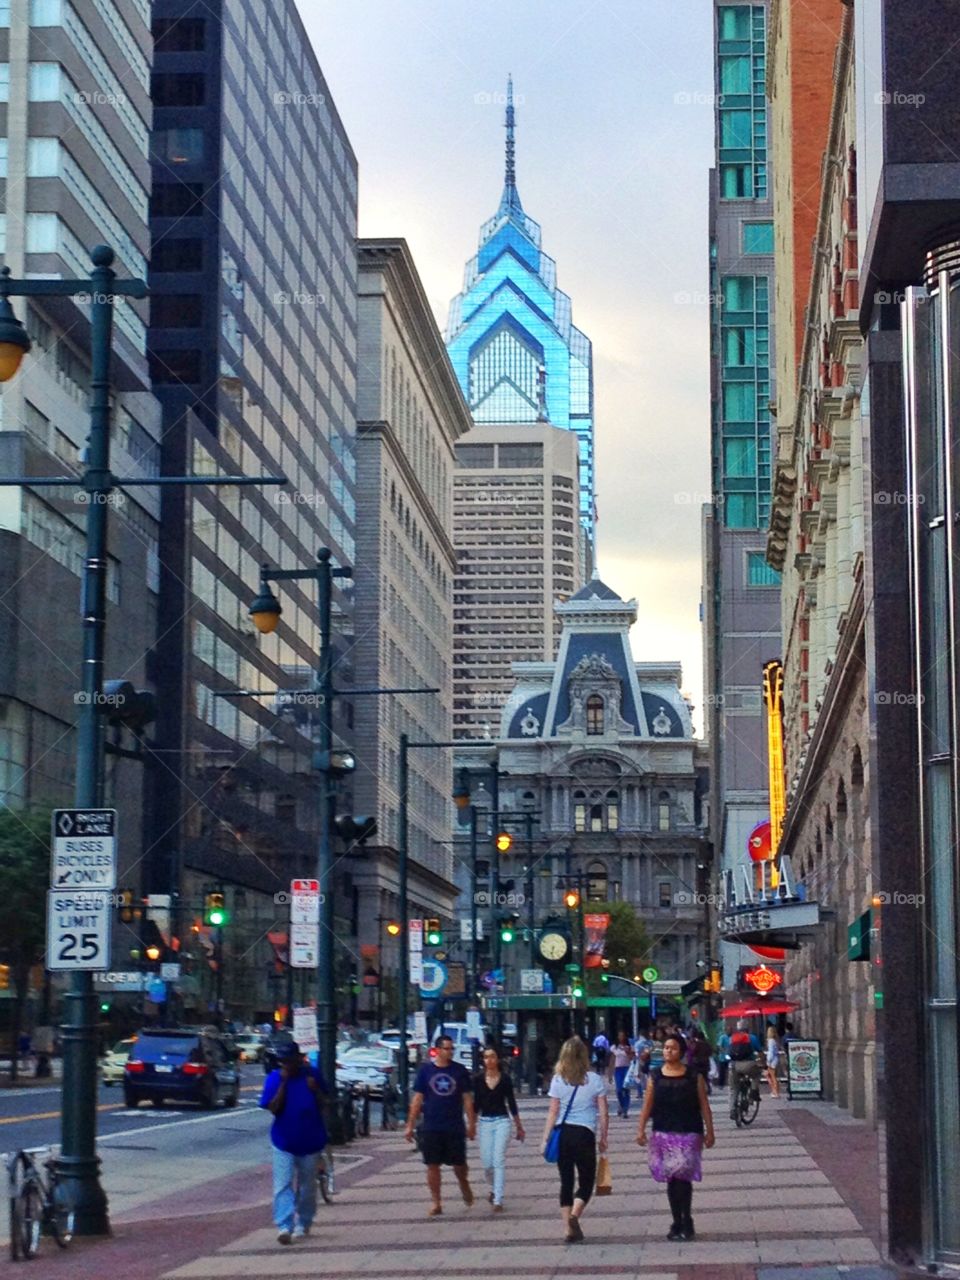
[
  {"x": 50, "y": 1115},
  {"x": 152, "y": 1128}
]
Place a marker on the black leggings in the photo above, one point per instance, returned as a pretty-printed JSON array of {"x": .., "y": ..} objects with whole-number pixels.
[
  {"x": 680, "y": 1195},
  {"x": 578, "y": 1154}
]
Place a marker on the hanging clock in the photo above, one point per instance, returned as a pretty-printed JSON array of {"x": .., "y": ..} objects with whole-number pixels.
[{"x": 554, "y": 946}]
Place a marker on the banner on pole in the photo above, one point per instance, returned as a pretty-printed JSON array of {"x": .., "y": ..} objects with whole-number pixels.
[{"x": 594, "y": 937}]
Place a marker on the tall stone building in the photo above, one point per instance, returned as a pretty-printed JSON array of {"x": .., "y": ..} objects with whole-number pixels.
[
  {"x": 410, "y": 414},
  {"x": 816, "y": 541},
  {"x": 75, "y": 117},
  {"x": 518, "y": 541}
]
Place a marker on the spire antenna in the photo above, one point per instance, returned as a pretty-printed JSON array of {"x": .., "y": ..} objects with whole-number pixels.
[{"x": 510, "y": 176}]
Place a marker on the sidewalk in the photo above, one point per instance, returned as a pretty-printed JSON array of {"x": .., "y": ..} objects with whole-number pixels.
[{"x": 793, "y": 1196}]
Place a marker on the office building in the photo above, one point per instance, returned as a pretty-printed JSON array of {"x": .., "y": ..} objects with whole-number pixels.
[
  {"x": 518, "y": 540},
  {"x": 740, "y": 609},
  {"x": 75, "y": 119},
  {"x": 512, "y": 341},
  {"x": 253, "y": 347},
  {"x": 410, "y": 415}
]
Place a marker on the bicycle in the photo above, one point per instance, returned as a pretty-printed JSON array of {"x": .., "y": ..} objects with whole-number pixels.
[
  {"x": 33, "y": 1210},
  {"x": 326, "y": 1178},
  {"x": 746, "y": 1104}
]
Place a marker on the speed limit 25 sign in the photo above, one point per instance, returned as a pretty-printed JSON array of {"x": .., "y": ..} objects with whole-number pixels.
[{"x": 78, "y": 929}]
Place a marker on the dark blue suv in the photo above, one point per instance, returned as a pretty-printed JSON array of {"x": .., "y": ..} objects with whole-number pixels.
[{"x": 184, "y": 1065}]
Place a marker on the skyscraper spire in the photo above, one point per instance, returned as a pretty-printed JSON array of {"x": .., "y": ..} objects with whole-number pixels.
[{"x": 511, "y": 197}]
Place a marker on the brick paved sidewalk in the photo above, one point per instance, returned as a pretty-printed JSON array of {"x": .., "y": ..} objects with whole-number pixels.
[{"x": 791, "y": 1196}]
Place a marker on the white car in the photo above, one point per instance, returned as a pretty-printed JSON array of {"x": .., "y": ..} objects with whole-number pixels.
[
  {"x": 251, "y": 1046},
  {"x": 372, "y": 1067},
  {"x": 114, "y": 1060}
]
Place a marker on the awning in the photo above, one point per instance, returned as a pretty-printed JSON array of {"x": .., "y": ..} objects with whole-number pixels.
[{"x": 758, "y": 1008}]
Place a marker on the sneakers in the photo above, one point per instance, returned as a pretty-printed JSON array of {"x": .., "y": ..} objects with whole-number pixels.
[
  {"x": 284, "y": 1237},
  {"x": 300, "y": 1231}
]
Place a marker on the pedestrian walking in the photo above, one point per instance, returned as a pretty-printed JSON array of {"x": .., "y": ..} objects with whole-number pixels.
[
  {"x": 601, "y": 1052},
  {"x": 723, "y": 1059},
  {"x": 698, "y": 1055},
  {"x": 578, "y": 1101},
  {"x": 773, "y": 1060},
  {"x": 292, "y": 1094},
  {"x": 623, "y": 1055},
  {"x": 495, "y": 1104},
  {"x": 676, "y": 1102},
  {"x": 443, "y": 1094}
]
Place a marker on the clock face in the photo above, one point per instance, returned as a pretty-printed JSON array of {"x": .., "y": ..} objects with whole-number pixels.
[{"x": 553, "y": 946}]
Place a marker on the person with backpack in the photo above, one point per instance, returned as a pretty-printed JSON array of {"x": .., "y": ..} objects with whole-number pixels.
[
  {"x": 292, "y": 1093},
  {"x": 744, "y": 1051}
]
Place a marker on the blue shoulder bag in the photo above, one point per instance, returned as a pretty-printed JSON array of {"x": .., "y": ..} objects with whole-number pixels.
[{"x": 552, "y": 1151}]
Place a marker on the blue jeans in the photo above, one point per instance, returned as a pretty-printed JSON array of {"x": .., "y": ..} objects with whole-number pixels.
[
  {"x": 494, "y": 1134},
  {"x": 291, "y": 1205},
  {"x": 623, "y": 1092}
]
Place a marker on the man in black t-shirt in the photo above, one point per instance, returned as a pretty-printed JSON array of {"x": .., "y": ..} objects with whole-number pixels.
[{"x": 443, "y": 1093}]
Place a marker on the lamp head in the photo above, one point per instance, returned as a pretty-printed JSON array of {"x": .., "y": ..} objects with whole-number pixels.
[
  {"x": 14, "y": 343},
  {"x": 265, "y": 609}
]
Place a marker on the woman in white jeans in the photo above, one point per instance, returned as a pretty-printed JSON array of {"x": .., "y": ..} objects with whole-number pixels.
[{"x": 495, "y": 1105}]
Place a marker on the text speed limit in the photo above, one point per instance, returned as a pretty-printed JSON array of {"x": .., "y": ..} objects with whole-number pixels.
[{"x": 78, "y": 930}]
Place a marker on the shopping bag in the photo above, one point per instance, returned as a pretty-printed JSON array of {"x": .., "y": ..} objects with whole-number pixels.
[
  {"x": 631, "y": 1076},
  {"x": 604, "y": 1178},
  {"x": 552, "y": 1150}
]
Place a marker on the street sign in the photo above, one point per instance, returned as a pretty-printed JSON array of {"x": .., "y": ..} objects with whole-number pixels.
[
  {"x": 419, "y": 1025},
  {"x": 415, "y": 928},
  {"x": 529, "y": 1002},
  {"x": 118, "y": 980},
  {"x": 466, "y": 929},
  {"x": 650, "y": 974},
  {"x": 434, "y": 978},
  {"x": 304, "y": 901},
  {"x": 531, "y": 980},
  {"x": 78, "y": 929},
  {"x": 304, "y": 946},
  {"x": 305, "y": 1029},
  {"x": 170, "y": 972},
  {"x": 84, "y": 849}
]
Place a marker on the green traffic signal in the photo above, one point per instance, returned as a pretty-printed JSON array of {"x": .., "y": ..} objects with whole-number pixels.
[
  {"x": 506, "y": 934},
  {"x": 578, "y": 991},
  {"x": 214, "y": 910}
]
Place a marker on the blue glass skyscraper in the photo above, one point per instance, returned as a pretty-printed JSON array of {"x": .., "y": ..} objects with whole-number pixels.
[{"x": 511, "y": 338}]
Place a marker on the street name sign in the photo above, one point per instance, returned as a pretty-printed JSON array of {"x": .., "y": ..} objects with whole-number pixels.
[
  {"x": 78, "y": 929},
  {"x": 84, "y": 849}
]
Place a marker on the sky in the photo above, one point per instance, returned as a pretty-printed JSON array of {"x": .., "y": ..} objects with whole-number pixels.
[{"x": 614, "y": 146}]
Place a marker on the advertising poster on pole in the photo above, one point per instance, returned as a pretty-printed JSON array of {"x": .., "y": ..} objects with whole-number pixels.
[{"x": 804, "y": 1068}]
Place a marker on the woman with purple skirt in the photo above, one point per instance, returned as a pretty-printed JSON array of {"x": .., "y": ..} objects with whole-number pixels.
[{"x": 676, "y": 1100}]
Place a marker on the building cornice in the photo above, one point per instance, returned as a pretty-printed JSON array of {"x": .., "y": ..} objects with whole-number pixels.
[
  {"x": 384, "y": 432},
  {"x": 403, "y": 291}
]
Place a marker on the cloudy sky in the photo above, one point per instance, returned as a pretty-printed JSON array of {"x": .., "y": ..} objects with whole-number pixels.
[{"x": 614, "y": 144}]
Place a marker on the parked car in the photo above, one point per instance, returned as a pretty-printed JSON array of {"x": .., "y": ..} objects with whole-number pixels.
[
  {"x": 368, "y": 1067},
  {"x": 251, "y": 1046},
  {"x": 185, "y": 1064},
  {"x": 114, "y": 1060},
  {"x": 390, "y": 1039}
]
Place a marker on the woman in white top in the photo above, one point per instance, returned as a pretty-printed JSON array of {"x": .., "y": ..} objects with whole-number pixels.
[
  {"x": 773, "y": 1060},
  {"x": 584, "y": 1092}
]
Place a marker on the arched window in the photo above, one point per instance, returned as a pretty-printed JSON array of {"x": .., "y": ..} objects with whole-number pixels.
[
  {"x": 594, "y": 714},
  {"x": 579, "y": 811},
  {"x": 598, "y": 885},
  {"x": 663, "y": 811}
]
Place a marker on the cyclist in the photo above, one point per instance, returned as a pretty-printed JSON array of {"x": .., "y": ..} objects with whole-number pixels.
[{"x": 744, "y": 1051}]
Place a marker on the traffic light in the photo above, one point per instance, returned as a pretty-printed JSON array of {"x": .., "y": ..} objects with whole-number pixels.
[
  {"x": 214, "y": 909},
  {"x": 578, "y": 990},
  {"x": 504, "y": 842},
  {"x": 354, "y": 830},
  {"x": 432, "y": 933},
  {"x": 393, "y": 928},
  {"x": 713, "y": 983},
  {"x": 153, "y": 951},
  {"x": 508, "y": 929},
  {"x": 571, "y": 899}
]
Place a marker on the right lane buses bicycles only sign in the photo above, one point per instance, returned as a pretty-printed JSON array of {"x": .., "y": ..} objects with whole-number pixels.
[{"x": 804, "y": 1068}]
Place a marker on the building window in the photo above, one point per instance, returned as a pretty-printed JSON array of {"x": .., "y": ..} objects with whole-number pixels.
[
  {"x": 663, "y": 811},
  {"x": 735, "y": 74},
  {"x": 598, "y": 884},
  {"x": 521, "y": 455},
  {"x": 736, "y": 181},
  {"x": 178, "y": 89},
  {"x": 759, "y": 573},
  {"x": 178, "y": 35},
  {"x": 733, "y": 22},
  {"x": 579, "y": 811},
  {"x": 736, "y": 129},
  {"x": 740, "y": 511},
  {"x": 739, "y": 402},
  {"x": 177, "y": 255},
  {"x": 666, "y": 893},
  {"x": 176, "y": 200},
  {"x": 176, "y": 311},
  {"x": 595, "y": 714},
  {"x": 175, "y": 366},
  {"x": 613, "y": 811},
  {"x": 740, "y": 457},
  {"x": 758, "y": 237},
  {"x": 177, "y": 146}
]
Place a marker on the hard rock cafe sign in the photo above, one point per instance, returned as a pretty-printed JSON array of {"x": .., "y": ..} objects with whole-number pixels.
[{"x": 763, "y": 979}]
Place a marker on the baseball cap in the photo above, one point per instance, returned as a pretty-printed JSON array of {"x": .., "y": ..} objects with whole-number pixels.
[{"x": 287, "y": 1049}]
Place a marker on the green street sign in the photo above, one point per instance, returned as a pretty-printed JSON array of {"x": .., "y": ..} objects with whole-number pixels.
[
  {"x": 650, "y": 974},
  {"x": 572, "y": 968}
]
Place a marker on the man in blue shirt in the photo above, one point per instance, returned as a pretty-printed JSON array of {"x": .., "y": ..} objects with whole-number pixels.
[
  {"x": 443, "y": 1092},
  {"x": 291, "y": 1093}
]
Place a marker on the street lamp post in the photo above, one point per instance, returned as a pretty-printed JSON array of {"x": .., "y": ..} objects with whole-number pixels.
[{"x": 265, "y": 611}]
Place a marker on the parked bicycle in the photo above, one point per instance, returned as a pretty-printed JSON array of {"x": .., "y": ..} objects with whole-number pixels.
[
  {"x": 746, "y": 1105},
  {"x": 326, "y": 1179},
  {"x": 33, "y": 1208}
]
